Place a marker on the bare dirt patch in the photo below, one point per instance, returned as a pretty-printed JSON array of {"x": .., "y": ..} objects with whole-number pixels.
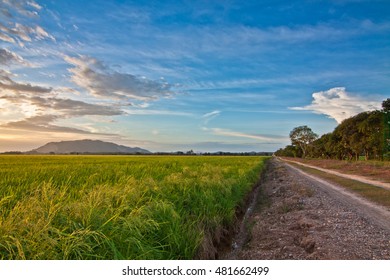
[{"x": 296, "y": 218}]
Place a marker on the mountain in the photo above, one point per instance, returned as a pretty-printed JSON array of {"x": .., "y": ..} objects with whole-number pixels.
[{"x": 87, "y": 147}]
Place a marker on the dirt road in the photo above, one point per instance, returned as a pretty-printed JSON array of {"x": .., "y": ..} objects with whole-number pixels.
[
  {"x": 299, "y": 216},
  {"x": 348, "y": 176}
]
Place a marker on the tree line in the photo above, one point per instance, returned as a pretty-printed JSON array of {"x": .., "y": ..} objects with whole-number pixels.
[{"x": 366, "y": 134}]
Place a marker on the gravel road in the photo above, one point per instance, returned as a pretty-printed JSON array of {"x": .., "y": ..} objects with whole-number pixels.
[{"x": 299, "y": 216}]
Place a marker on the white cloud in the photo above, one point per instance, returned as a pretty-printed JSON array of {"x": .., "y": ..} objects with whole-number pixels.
[
  {"x": 101, "y": 81},
  {"x": 338, "y": 104}
]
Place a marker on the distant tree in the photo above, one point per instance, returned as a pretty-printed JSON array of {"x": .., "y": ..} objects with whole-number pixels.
[
  {"x": 303, "y": 137},
  {"x": 386, "y": 105},
  {"x": 372, "y": 129},
  {"x": 289, "y": 151},
  {"x": 323, "y": 147},
  {"x": 13, "y": 153},
  {"x": 350, "y": 137},
  {"x": 386, "y": 128},
  {"x": 358, "y": 135}
]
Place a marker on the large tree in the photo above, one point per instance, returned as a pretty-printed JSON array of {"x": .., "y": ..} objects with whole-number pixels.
[{"x": 303, "y": 137}]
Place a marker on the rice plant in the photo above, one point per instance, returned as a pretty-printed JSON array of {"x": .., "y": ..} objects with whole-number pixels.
[{"x": 118, "y": 207}]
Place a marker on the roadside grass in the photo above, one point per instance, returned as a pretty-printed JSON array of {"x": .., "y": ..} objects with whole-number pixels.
[
  {"x": 119, "y": 207},
  {"x": 375, "y": 194},
  {"x": 376, "y": 170}
]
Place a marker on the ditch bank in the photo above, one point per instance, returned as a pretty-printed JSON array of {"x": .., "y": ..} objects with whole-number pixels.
[{"x": 227, "y": 241}]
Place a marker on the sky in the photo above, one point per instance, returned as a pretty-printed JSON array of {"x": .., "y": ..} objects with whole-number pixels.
[{"x": 188, "y": 75}]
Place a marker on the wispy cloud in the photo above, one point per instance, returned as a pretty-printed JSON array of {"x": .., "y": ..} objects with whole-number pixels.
[
  {"x": 44, "y": 124},
  {"x": 136, "y": 111},
  {"x": 71, "y": 108},
  {"x": 19, "y": 33},
  {"x": 101, "y": 81},
  {"x": 16, "y": 32},
  {"x": 8, "y": 58},
  {"x": 259, "y": 137},
  {"x": 38, "y": 107},
  {"x": 27, "y": 8},
  {"x": 62, "y": 108},
  {"x": 209, "y": 116},
  {"x": 5, "y": 37},
  {"x": 226, "y": 40},
  {"x": 7, "y": 84},
  {"x": 324, "y": 31},
  {"x": 281, "y": 79},
  {"x": 210, "y": 146},
  {"x": 338, "y": 104}
]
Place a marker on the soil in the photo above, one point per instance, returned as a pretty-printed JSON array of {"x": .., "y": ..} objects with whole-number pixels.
[{"x": 300, "y": 217}]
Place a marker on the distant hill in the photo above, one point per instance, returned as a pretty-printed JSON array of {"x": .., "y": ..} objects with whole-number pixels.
[{"x": 87, "y": 147}]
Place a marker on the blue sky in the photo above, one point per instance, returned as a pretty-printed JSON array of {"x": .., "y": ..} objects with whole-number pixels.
[{"x": 181, "y": 75}]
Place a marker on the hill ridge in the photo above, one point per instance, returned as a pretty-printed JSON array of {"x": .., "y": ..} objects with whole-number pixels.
[{"x": 87, "y": 146}]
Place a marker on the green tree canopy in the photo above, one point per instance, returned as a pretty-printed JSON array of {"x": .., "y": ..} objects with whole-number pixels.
[{"x": 365, "y": 134}]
